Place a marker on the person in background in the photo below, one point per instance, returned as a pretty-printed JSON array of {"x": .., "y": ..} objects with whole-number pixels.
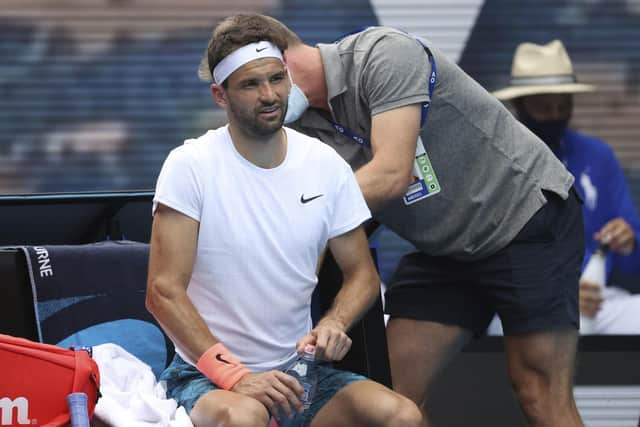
[
  {"x": 541, "y": 93},
  {"x": 89, "y": 119},
  {"x": 490, "y": 209},
  {"x": 241, "y": 215}
]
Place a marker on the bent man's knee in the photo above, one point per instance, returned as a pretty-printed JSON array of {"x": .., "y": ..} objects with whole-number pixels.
[
  {"x": 247, "y": 413},
  {"x": 408, "y": 414},
  {"x": 531, "y": 396},
  {"x": 542, "y": 397},
  {"x": 397, "y": 410},
  {"x": 245, "y": 416}
]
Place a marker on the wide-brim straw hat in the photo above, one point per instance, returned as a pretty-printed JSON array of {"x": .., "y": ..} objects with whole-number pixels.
[{"x": 541, "y": 69}]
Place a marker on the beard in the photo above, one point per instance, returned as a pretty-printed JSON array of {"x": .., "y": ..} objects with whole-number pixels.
[{"x": 253, "y": 124}]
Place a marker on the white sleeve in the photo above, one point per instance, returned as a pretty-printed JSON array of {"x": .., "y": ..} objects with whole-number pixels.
[
  {"x": 179, "y": 184},
  {"x": 349, "y": 207}
]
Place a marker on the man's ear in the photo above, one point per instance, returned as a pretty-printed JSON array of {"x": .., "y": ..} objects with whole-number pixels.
[{"x": 219, "y": 94}]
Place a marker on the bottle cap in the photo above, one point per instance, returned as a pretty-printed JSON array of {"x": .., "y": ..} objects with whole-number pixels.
[
  {"x": 79, "y": 398},
  {"x": 310, "y": 349}
]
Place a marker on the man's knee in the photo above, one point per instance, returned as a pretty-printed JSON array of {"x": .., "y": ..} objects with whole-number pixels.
[
  {"x": 397, "y": 410},
  {"x": 246, "y": 413},
  {"x": 542, "y": 394},
  {"x": 407, "y": 414},
  {"x": 246, "y": 416},
  {"x": 371, "y": 404},
  {"x": 532, "y": 393}
]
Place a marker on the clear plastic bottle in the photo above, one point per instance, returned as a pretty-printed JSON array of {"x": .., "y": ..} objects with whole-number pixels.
[
  {"x": 596, "y": 273},
  {"x": 304, "y": 370}
]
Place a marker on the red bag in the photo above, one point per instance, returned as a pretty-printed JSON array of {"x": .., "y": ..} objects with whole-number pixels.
[{"x": 36, "y": 378}]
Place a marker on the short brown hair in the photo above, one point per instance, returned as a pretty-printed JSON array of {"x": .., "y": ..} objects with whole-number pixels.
[{"x": 240, "y": 30}]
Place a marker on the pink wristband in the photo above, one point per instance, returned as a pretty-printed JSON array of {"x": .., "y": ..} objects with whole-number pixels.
[{"x": 219, "y": 365}]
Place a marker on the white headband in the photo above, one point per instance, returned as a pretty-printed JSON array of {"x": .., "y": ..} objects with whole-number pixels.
[{"x": 241, "y": 56}]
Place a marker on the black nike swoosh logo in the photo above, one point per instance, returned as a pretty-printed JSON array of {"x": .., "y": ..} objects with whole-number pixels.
[
  {"x": 260, "y": 50},
  {"x": 220, "y": 359},
  {"x": 303, "y": 200}
]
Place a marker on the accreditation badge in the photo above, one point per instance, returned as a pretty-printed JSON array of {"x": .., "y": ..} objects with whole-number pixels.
[{"x": 425, "y": 182}]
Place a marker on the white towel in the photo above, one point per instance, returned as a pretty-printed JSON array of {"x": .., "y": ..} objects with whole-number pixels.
[{"x": 131, "y": 396}]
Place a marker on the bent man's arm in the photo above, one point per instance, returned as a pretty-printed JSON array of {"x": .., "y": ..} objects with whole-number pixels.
[
  {"x": 174, "y": 240},
  {"x": 394, "y": 134},
  {"x": 360, "y": 287}
]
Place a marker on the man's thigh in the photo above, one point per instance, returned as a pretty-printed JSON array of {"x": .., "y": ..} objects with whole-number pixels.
[
  {"x": 358, "y": 404},
  {"x": 330, "y": 383},
  {"x": 418, "y": 351}
]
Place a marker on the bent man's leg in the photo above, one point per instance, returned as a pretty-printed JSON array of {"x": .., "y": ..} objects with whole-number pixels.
[
  {"x": 418, "y": 351},
  {"x": 541, "y": 367},
  {"x": 367, "y": 403},
  {"x": 434, "y": 309},
  {"x": 540, "y": 313}
]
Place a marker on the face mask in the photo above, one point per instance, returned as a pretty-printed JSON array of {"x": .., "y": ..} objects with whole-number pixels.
[
  {"x": 550, "y": 131},
  {"x": 297, "y": 104}
]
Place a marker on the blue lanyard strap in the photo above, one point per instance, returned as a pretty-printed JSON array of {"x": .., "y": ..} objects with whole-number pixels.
[{"x": 425, "y": 105}]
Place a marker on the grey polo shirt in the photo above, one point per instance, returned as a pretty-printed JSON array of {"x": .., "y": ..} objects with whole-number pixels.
[{"x": 491, "y": 169}]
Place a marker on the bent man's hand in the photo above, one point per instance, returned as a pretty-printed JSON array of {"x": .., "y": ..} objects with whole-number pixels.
[
  {"x": 273, "y": 389},
  {"x": 618, "y": 234},
  {"x": 590, "y": 299},
  {"x": 330, "y": 339}
]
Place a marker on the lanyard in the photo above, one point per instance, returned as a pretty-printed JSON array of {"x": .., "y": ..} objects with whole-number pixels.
[{"x": 425, "y": 105}]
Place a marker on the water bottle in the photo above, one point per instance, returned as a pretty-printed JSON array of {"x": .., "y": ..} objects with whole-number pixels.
[
  {"x": 596, "y": 273},
  {"x": 304, "y": 370},
  {"x": 78, "y": 409}
]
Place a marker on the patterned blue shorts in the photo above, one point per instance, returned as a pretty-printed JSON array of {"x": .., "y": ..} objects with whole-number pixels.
[{"x": 186, "y": 384}]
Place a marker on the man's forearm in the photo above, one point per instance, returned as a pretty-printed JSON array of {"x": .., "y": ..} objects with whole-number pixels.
[
  {"x": 352, "y": 302},
  {"x": 394, "y": 135},
  {"x": 380, "y": 185},
  {"x": 181, "y": 322}
]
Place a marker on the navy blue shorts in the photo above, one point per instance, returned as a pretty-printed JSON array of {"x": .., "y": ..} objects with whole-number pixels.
[
  {"x": 186, "y": 384},
  {"x": 532, "y": 283}
]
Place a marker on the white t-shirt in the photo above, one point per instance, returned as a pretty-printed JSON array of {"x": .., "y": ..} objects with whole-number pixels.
[{"x": 261, "y": 232}]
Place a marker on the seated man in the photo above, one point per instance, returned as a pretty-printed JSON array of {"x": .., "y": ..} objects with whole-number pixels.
[
  {"x": 242, "y": 214},
  {"x": 544, "y": 103}
]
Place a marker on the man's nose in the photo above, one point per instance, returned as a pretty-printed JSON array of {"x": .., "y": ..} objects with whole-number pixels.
[{"x": 267, "y": 92}]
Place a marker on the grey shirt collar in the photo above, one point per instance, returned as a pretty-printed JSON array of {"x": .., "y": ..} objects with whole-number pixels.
[
  {"x": 336, "y": 85},
  {"x": 333, "y": 70}
]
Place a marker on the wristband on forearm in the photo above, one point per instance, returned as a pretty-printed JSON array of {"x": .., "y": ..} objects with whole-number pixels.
[{"x": 221, "y": 367}]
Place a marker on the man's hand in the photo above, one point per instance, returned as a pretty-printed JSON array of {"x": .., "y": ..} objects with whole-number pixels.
[
  {"x": 590, "y": 299},
  {"x": 273, "y": 389},
  {"x": 618, "y": 234},
  {"x": 330, "y": 339}
]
